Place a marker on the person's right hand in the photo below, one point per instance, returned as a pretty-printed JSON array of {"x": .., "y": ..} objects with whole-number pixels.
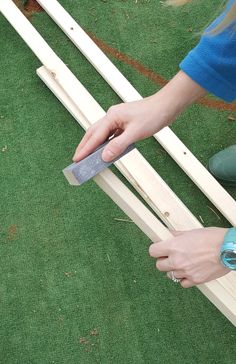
[
  {"x": 129, "y": 122},
  {"x": 137, "y": 120}
]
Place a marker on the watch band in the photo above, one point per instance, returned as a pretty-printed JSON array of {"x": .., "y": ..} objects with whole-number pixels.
[
  {"x": 229, "y": 246},
  {"x": 230, "y": 236}
]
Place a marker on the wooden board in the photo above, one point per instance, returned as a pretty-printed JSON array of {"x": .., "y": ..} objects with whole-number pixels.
[
  {"x": 170, "y": 142},
  {"x": 221, "y": 292},
  {"x": 131, "y": 205},
  {"x": 134, "y": 166}
]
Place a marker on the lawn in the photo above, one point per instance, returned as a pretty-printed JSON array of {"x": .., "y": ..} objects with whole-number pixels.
[{"x": 77, "y": 283}]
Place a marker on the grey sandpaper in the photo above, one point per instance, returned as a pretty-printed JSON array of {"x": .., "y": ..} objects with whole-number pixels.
[{"x": 89, "y": 167}]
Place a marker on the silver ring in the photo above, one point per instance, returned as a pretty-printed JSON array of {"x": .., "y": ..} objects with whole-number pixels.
[{"x": 171, "y": 275}]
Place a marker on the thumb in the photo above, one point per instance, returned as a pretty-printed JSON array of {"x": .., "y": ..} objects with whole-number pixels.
[{"x": 116, "y": 146}]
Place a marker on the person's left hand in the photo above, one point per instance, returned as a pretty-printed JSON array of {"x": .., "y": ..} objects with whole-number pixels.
[{"x": 193, "y": 256}]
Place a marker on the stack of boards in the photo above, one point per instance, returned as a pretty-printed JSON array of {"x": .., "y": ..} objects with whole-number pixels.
[{"x": 152, "y": 188}]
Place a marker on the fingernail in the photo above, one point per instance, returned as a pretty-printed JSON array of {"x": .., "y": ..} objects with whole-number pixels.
[
  {"x": 75, "y": 157},
  {"x": 150, "y": 250},
  {"x": 108, "y": 155}
]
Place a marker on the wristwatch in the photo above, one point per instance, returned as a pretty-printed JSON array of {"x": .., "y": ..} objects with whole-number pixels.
[{"x": 228, "y": 249}]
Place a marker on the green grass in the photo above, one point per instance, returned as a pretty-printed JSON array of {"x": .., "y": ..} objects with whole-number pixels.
[{"x": 67, "y": 266}]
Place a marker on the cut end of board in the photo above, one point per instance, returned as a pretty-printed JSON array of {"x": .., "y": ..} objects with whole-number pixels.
[{"x": 71, "y": 178}]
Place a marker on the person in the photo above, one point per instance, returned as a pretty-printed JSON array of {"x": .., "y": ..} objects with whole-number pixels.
[{"x": 200, "y": 255}]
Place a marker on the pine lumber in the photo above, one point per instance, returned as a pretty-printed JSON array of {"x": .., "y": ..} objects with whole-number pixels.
[
  {"x": 131, "y": 205},
  {"x": 135, "y": 168},
  {"x": 169, "y": 141},
  {"x": 221, "y": 292}
]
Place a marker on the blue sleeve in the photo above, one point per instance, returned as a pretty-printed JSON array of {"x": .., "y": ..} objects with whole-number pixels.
[{"x": 212, "y": 63}]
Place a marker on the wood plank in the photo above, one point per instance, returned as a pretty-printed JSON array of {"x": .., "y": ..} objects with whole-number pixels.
[
  {"x": 134, "y": 167},
  {"x": 90, "y": 50},
  {"x": 131, "y": 205},
  {"x": 221, "y": 292},
  {"x": 111, "y": 184},
  {"x": 169, "y": 141},
  {"x": 217, "y": 291},
  {"x": 159, "y": 196}
]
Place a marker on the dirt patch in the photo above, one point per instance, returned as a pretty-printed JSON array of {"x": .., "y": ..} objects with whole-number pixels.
[
  {"x": 29, "y": 7},
  {"x": 32, "y": 6},
  {"x": 11, "y": 232}
]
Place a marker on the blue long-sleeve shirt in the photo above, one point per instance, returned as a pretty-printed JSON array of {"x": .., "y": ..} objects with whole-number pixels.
[{"x": 212, "y": 63}]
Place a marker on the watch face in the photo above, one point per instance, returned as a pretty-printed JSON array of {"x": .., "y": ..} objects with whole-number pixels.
[{"x": 229, "y": 258}]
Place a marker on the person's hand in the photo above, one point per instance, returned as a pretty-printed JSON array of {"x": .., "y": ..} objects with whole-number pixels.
[
  {"x": 129, "y": 122},
  {"x": 137, "y": 120},
  {"x": 193, "y": 256}
]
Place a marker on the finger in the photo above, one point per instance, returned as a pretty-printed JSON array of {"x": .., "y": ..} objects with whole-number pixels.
[
  {"x": 94, "y": 137},
  {"x": 117, "y": 146},
  {"x": 118, "y": 132},
  {"x": 157, "y": 250},
  {"x": 185, "y": 283},
  {"x": 177, "y": 274},
  {"x": 164, "y": 265},
  {"x": 82, "y": 143},
  {"x": 87, "y": 136}
]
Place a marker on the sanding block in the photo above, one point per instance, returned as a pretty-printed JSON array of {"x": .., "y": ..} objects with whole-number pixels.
[{"x": 89, "y": 167}]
